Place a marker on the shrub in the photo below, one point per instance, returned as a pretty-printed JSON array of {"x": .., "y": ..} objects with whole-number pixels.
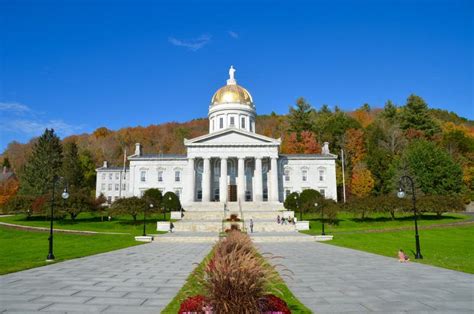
[{"x": 233, "y": 217}]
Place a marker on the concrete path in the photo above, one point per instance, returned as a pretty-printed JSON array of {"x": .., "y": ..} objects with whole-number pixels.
[
  {"x": 140, "y": 279},
  {"x": 331, "y": 279}
]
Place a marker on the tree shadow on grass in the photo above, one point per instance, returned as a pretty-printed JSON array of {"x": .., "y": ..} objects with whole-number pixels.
[{"x": 405, "y": 218}]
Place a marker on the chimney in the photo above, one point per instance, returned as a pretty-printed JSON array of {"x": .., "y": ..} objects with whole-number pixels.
[
  {"x": 325, "y": 149},
  {"x": 106, "y": 164},
  {"x": 138, "y": 149}
]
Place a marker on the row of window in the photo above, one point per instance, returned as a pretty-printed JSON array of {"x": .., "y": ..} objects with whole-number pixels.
[
  {"x": 304, "y": 175},
  {"x": 321, "y": 191},
  {"x": 231, "y": 123},
  {"x": 111, "y": 176},
  {"x": 177, "y": 176},
  {"x": 110, "y": 186}
]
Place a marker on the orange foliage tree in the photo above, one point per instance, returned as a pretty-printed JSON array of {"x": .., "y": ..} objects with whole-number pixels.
[
  {"x": 362, "y": 181},
  {"x": 8, "y": 189},
  {"x": 307, "y": 144},
  {"x": 355, "y": 145}
]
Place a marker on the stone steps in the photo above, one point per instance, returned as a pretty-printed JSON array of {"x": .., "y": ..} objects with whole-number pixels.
[
  {"x": 216, "y": 226},
  {"x": 234, "y": 206}
]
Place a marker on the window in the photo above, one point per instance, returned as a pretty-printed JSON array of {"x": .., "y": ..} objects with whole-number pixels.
[
  {"x": 199, "y": 195},
  {"x": 160, "y": 175},
  {"x": 177, "y": 192},
  {"x": 109, "y": 199},
  {"x": 321, "y": 175},
  {"x": 124, "y": 187},
  {"x": 102, "y": 187},
  {"x": 251, "y": 125},
  {"x": 124, "y": 176},
  {"x": 103, "y": 176},
  {"x": 304, "y": 174},
  {"x": 117, "y": 176},
  {"x": 116, "y": 187},
  {"x": 287, "y": 193},
  {"x": 143, "y": 176},
  {"x": 221, "y": 123},
  {"x": 177, "y": 176},
  {"x": 322, "y": 192},
  {"x": 287, "y": 175},
  {"x": 232, "y": 121},
  {"x": 110, "y": 187},
  {"x": 243, "y": 123},
  {"x": 110, "y": 176},
  {"x": 265, "y": 194},
  {"x": 116, "y": 198}
]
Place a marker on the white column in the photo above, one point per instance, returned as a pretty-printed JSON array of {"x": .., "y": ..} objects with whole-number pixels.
[
  {"x": 206, "y": 180},
  {"x": 257, "y": 194},
  {"x": 241, "y": 180},
  {"x": 223, "y": 181},
  {"x": 191, "y": 181},
  {"x": 274, "y": 180}
]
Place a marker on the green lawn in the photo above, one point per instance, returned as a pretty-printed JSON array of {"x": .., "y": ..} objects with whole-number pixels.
[
  {"x": 89, "y": 222},
  {"x": 450, "y": 247},
  {"x": 21, "y": 250},
  {"x": 346, "y": 222},
  {"x": 193, "y": 287}
]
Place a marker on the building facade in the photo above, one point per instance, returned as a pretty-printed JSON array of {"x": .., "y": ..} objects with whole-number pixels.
[{"x": 229, "y": 164}]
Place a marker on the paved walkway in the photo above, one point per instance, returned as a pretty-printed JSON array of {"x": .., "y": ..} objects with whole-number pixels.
[
  {"x": 331, "y": 279},
  {"x": 140, "y": 279}
]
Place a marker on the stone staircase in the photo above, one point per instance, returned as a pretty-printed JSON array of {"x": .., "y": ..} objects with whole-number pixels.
[{"x": 209, "y": 217}]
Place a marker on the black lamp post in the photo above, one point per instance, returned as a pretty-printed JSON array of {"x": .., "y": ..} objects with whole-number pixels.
[
  {"x": 144, "y": 219},
  {"x": 65, "y": 196},
  {"x": 401, "y": 194},
  {"x": 322, "y": 218}
]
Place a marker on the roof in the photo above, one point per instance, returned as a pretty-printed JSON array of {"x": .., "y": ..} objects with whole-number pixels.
[
  {"x": 309, "y": 156},
  {"x": 111, "y": 168},
  {"x": 157, "y": 157}
]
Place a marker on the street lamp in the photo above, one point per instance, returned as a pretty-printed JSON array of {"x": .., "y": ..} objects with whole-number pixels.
[
  {"x": 65, "y": 196},
  {"x": 401, "y": 194},
  {"x": 322, "y": 218},
  {"x": 144, "y": 219}
]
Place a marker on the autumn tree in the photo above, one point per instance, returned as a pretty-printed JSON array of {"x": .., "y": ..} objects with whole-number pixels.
[
  {"x": 362, "y": 182},
  {"x": 306, "y": 144},
  {"x": 355, "y": 145},
  {"x": 43, "y": 165}
]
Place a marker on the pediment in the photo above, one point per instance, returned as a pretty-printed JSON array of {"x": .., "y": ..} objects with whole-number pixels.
[{"x": 232, "y": 137}]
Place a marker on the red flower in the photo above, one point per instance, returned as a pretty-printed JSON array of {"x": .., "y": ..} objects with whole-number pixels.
[
  {"x": 274, "y": 305},
  {"x": 193, "y": 305}
]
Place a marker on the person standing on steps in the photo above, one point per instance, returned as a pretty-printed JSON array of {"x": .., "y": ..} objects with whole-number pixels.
[{"x": 251, "y": 225}]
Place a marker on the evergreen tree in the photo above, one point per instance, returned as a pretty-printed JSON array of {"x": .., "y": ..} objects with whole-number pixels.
[
  {"x": 415, "y": 115},
  {"x": 88, "y": 168},
  {"x": 43, "y": 165},
  {"x": 300, "y": 117},
  {"x": 389, "y": 111},
  {"x": 72, "y": 170}
]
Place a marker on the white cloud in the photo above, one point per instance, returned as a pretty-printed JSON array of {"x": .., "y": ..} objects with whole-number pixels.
[
  {"x": 192, "y": 44},
  {"x": 32, "y": 127},
  {"x": 14, "y": 107},
  {"x": 233, "y": 34}
]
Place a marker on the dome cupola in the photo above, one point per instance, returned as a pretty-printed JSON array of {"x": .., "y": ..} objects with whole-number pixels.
[{"x": 231, "y": 107}]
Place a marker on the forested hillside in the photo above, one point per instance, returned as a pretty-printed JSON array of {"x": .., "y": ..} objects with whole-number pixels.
[{"x": 379, "y": 144}]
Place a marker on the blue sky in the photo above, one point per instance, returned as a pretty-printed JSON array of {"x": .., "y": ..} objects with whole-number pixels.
[{"x": 79, "y": 65}]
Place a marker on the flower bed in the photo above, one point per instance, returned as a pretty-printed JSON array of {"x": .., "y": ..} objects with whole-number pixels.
[
  {"x": 236, "y": 280},
  {"x": 233, "y": 218}
]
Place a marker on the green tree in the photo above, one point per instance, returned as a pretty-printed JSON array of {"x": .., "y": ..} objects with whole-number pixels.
[
  {"x": 308, "y": 200},
  {"x": 291, "y": 201},
  {"x": 300, "y": 117},
  {"x": 434, "y": 170},
  {"x": 153, "y": 196},
  {"x": 170, "y": 202},
  {"x": 128, "y": 206},
  {"x": 43, "y": 165},
  {"x": 78, "y": 202},
  {"x": 380, "y": 163},
  {"x": 389, "y": 111},
  {"x": 415, "y": 115},
  {"x": 72, "y": 169},
  {"x": 88, "y": 168}
]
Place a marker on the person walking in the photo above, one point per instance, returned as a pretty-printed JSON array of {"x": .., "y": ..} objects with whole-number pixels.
[{"x": 251, "y": 225}]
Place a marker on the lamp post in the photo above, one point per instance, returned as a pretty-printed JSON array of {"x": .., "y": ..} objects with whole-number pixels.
[
  {"x": 401, "y": 194},
  {"x": 322, "y": 218},
  {"x": 144, "y": 219},
  {"x": 65, "y": 196}
]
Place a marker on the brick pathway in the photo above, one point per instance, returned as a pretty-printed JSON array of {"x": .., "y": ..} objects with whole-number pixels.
[
  {"x": 331, "y": 279},
  {"x": 140, "y": 279}
]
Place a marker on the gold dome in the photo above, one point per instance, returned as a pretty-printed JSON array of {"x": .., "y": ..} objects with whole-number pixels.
[{"x": 232, "y": 93}]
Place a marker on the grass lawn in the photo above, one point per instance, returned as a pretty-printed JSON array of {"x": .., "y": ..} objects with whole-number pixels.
[
  {"x": 450, "y": 247},
  {"x": 21, "y": 250},
  {"x": 193, "y": 287},
  {"x": 346, "y": 222},
  {"x": 89, "y": 222}
]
